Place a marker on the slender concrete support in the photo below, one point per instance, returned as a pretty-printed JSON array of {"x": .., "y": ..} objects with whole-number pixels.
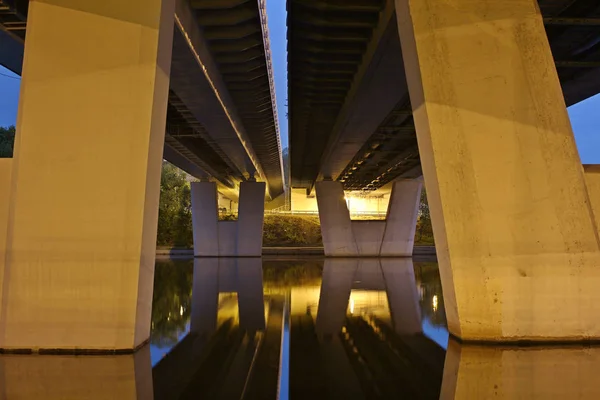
[
  {"x": 592, "y": 180},
  {"x": 336, "y": 227},
  {"x": 251, "y": 214},
  {"x": 401, "y": 221},
  {"x": 86, "y": 174},
  {"x": 393, "y": 237},
  {"x": 205, "y": 295},
  {"x": 55, "y": 377},
  {"x": 403, "y": 298},
  {"x": 517, "y": 244},
  {"x": 205, "y": 219},
  {"x": 336, "y": 286},
  {"x": 241, "y": 238},
  {"x": 484, "y": 372}
]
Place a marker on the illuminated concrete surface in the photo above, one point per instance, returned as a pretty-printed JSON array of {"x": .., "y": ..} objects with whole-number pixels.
[
  {"x": 82, "y": 227},
  {"x": 515, "y": 235},
  {"x": 343, "y": 237},
  {"x": 241, "y": 238},
  {"x": 482, "y": 372}
]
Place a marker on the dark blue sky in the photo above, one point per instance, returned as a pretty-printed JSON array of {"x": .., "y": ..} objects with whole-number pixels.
[{"x": 585, "y": 116}]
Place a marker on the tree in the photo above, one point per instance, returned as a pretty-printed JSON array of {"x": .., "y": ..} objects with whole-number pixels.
[
  {"x": 424, "y": 228},
  {"x": 7, "y": 140},
  {"x": 174, "y": 213}
]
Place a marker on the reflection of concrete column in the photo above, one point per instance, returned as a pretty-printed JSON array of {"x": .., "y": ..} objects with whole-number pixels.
[
  {"x": 401, "y": 220},
  {"x": 338, "y": 275},
  {"x": 205, "y": 219},
  {"x": 250, "y": 219},
  {"x": 402, "y": 295},
  {"x": 54, "y": 377},
  {"x": 484, "y": 372},
  {"x": 205, "y": 295},
  {"x": 336, "y": 227},
  {"x": 515, "y": 234},
  {"x": 86, "y": 175},
  {"x": 251, "y": 302}
]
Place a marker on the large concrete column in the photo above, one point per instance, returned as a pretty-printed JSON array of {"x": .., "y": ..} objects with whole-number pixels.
[
  {"x": 485, "y": 372},
  {"x": 241, "y": 238},
  {"x": 336, "y": 227},
  {"x": 394, "y": 237},
  {"x": 205, "y": 219},
  {"x": 5, "y": 178},
  {"x": 401, "y": 220},
  {"x": 86, "y": 174},
  {"x": 251, "y": 214},
  {"x": 515, "y": 235}
]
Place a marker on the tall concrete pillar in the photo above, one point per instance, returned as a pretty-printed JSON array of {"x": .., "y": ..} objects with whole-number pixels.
[
  {"x": 394, "y": 237},
  {"x": 5, "y": 178},
  {"x": 85, "y": 181},
  {"x": 515, "y": 234},
  {"x": 401, "y": 220},
  {"x": 205, "y": 219},
  {"x": 251, "y": 214},
  {"x": 55, "y": 377},
  {"x": 241, "y": 238},
  {"x": 334, "y": 216},
  {"x": 486, "y": 372}
]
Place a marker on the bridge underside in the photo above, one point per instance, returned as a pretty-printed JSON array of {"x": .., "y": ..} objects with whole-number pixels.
[{"x": 350, "y": 113}]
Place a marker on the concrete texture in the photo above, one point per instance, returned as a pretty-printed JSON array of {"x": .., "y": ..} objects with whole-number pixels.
[
  {"x": 336, "y": 227},
  {"x": 241, "y": 238},
  {"x": 86, "y": 174},
  {"x": 516, "y": 239},
  {"x": 251, "y": 216},
  {"x": 483, "y": 372},
  {"x": 205, "y": 215},
  {"x": 401, "y": 221},
  {"x": 57, "y": 377},
  {"x": 393, "y": 237}
]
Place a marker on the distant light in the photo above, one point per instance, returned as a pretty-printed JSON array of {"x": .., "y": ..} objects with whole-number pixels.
[
  {"x": 181, "y": 310},
  {"x": 434, "y": 303},
  {"x": 351, "y": 306}
]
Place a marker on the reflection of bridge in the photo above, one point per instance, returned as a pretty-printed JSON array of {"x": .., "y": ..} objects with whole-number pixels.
[{"x": 466, "y": 93}]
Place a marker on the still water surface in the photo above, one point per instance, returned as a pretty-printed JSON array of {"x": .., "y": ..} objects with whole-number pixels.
[{"x": 304, "y": 329}]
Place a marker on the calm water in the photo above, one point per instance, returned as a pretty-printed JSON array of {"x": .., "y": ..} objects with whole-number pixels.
[{"x": 304, "y": 329}]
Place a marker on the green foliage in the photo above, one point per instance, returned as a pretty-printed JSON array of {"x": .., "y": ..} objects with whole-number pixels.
[
  {"x": 424, "y": 232},
  {"x": 7, "y": 140},
  {"x": 291, "y": 230},
  {"x": 174, "y": 213}
]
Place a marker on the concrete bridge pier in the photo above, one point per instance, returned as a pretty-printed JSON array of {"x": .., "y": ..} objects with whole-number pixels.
[
  {"x": 84, "y": 186},
  {"x": 516, "y": 238},
  {"x": 241, "y": 238},
  {"x": 393, "y": 237}
]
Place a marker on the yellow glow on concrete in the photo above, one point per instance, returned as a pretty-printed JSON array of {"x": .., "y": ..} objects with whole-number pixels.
[
  {"x": 5, "y": 178},
  {"x": 357, "y": 203},
  {"x": 592, "y": 179},
  {"x": 86, "y": 174},
  {"x": 517, "y": 244}
]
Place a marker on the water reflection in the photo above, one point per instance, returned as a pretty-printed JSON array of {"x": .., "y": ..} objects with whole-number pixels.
[{"x": 338, "y": 328}]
